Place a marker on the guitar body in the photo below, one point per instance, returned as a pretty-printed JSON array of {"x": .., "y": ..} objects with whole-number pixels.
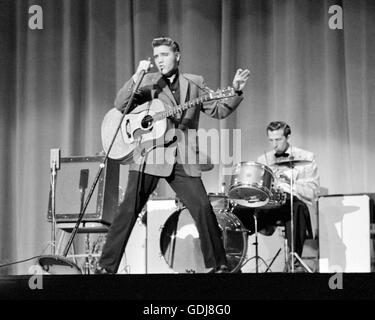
[{"x": 137, "y": 129}]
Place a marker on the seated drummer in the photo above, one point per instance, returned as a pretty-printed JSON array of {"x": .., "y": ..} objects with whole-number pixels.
[{"x": 305, "y": 187}]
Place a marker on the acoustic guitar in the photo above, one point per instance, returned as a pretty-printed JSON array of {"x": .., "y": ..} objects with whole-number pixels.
[{"x": 145, "y": 124}]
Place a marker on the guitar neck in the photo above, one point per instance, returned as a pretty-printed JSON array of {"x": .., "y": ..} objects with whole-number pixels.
[{"x": 182, "y": 107}]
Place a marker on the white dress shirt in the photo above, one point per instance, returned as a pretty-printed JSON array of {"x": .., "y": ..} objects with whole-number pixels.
[{"x": 305, "y": 175}]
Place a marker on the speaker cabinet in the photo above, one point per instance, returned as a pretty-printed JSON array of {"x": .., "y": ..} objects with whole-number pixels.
[
  {"x": 344, "y": 233},
  {"x": 104, "y": 200}
]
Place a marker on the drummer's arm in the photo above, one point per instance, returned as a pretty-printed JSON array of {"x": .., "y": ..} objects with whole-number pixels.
[{"x": 307, "y": 184}]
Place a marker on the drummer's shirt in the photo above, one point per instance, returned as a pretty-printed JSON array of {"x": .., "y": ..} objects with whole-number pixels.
[{"x": 305, "y": 177}]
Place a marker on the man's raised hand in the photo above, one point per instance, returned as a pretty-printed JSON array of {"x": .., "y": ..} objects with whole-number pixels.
[{"x": 240, "y": 79}]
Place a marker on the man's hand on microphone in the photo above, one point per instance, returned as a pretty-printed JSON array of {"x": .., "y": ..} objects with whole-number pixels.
[{"x": 144, "y": 65}]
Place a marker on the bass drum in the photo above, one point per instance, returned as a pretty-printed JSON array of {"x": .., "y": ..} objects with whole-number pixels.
[{"x": 180, "y": 243}]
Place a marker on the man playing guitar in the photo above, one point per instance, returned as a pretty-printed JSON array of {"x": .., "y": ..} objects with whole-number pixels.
[{"x": 173, "y": 88}]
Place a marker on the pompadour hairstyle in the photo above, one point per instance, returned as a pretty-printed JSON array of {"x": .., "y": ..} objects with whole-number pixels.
[
  {"x": 166, "y": 41},
  {"x": 276, "y": 125}
]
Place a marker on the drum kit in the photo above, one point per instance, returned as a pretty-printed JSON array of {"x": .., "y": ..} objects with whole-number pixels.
[{"x": 253, "y": 186}]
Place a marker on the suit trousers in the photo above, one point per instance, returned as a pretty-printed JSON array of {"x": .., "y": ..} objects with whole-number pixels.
[
  {"x": 268, "y": 219},
  {"x": 192, "y": 193}
]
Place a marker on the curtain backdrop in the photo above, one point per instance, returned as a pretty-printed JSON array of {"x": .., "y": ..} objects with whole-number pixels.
[{"x": 56, "y": 84}]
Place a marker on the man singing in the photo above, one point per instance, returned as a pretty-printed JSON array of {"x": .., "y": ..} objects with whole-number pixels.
[{"x": 172, "y": 87}]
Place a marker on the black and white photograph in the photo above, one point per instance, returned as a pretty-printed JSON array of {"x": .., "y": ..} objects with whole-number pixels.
[{"x": 187, "y": 155}]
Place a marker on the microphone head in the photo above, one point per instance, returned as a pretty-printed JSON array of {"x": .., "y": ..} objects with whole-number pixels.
[{"x": 55, "y": 159}]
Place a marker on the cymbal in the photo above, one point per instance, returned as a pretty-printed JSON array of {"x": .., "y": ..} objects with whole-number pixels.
[{"x": 290, "y": 163}]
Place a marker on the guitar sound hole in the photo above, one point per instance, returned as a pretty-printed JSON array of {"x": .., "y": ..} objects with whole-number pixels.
[{"x": 147, "y": 122}]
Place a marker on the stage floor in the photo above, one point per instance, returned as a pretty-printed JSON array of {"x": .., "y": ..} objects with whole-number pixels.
[{"x": 178, "y": 287}]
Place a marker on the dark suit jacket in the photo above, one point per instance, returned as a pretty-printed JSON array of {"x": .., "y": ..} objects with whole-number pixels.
[{"x": 185, "y": 150}]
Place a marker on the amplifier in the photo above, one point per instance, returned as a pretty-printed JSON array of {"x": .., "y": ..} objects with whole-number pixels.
[
  {"x": 104, "y": 200},
  {"x": 345, "y": 242}
]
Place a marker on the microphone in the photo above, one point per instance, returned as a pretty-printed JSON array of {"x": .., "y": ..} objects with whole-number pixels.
[
  {"x": 55, "y": 159},
  {"x": 83, "y": 179}
]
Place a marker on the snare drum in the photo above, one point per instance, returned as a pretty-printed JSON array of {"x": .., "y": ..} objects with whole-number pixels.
[{"x": 251, "y": 184}]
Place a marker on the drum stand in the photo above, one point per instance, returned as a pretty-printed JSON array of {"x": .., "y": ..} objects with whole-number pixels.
[
  {"x": 292, "y": 253},
  {"x": 256, "y": 243}
]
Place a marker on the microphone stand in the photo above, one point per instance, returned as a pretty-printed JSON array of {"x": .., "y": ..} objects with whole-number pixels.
[
  {"x": 53, "y": 206},
  {"x": 47, "y": 262},
  {"x": 82, "y": 190}
]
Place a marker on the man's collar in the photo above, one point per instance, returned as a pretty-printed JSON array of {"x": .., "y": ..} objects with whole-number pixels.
[{"x": 173, "y": 77}]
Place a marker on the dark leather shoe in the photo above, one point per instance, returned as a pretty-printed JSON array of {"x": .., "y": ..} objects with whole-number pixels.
[
  {"x": 222, "y": 269},
  {"x": 100, "y": 270}
]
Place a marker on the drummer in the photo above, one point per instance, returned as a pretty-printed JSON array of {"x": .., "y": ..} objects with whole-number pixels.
[{"x": 285, "y": 160}]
